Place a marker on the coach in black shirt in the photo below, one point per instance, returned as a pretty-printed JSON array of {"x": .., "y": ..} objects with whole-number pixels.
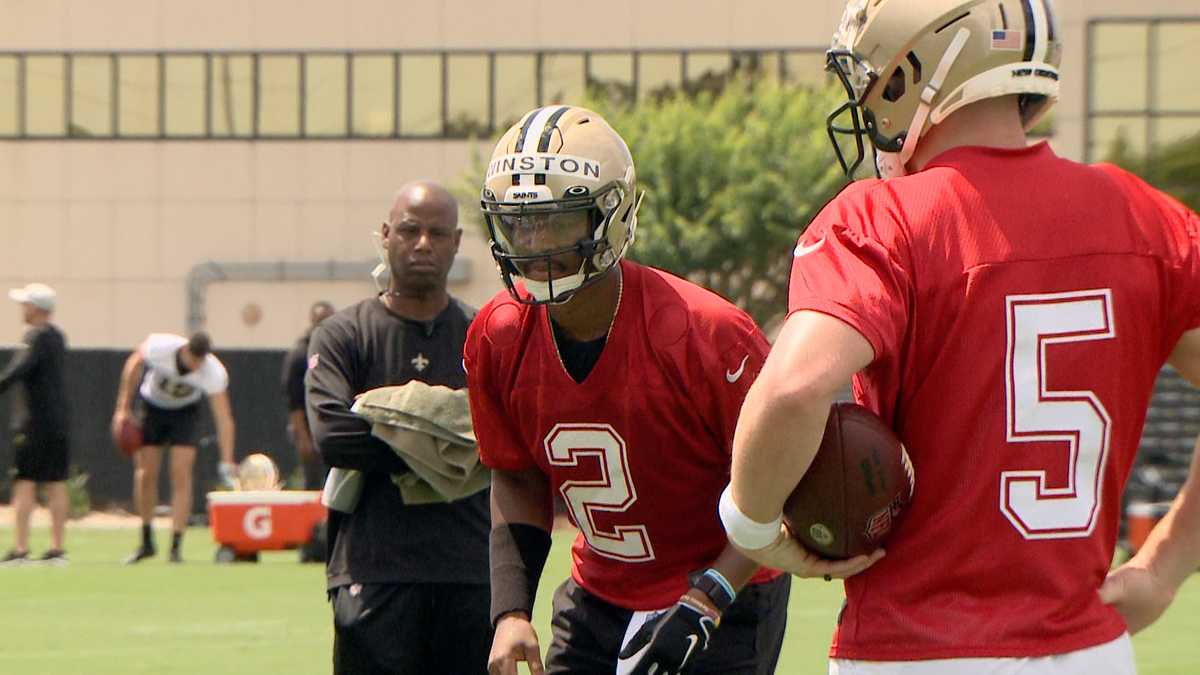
[
  {"x": 39, "y": 422},
  {"x": 295, "y": 363},
  {"x": 409, "y": 584}
]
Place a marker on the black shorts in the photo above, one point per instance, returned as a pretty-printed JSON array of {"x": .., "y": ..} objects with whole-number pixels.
[
  {"x": 41, "y": 456},
  {"x": 411, "y": 629},
  {"x": 162, "y": 426},
  {"x": 588, "y": 632}
]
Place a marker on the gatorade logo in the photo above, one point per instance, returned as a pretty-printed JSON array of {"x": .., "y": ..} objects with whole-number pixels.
[{"x": 257, "y": 522}]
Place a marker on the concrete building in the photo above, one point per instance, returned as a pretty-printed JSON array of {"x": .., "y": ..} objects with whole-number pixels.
[{"x": 166, "y": 163}]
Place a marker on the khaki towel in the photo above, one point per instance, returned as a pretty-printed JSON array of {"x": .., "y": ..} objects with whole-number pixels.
[{"x": 429, "y": 427}]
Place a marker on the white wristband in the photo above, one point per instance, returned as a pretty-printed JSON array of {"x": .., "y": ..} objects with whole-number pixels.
[{"x": 746, "y": 533}]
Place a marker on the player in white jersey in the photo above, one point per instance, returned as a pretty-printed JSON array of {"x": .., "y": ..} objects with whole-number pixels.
[{"x": 162, "y": 385}]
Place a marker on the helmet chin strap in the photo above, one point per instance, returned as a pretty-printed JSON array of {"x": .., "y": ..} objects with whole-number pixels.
[{"x": 895, "y": 164}]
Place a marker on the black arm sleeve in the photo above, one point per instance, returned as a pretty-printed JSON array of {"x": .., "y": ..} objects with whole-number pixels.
[
  {"x": 23, "y": 360},
  {"x": 292, "y": 380},
  {"x": 343, "y": 438}
]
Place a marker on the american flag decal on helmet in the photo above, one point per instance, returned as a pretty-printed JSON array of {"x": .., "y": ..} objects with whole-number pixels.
[{"x": 1007, "y": 40}]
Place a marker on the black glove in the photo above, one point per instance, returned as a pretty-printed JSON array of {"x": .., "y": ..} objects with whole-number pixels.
[{"x": 676, "y": 639}]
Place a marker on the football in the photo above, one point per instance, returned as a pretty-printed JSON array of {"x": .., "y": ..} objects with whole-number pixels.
[
  {"x": 128, "y": 437},
  {"x": 857, "y": 488}
]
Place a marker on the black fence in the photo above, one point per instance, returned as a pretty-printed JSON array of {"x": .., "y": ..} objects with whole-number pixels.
[
  {"x": 259, "y": 412},
  {"x": 91, "y": 382}
]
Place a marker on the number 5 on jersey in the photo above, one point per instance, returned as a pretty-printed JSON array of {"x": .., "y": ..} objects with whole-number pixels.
[
  {"x": 1036, "y": 414},
  {"x": 611, "y": 492}
]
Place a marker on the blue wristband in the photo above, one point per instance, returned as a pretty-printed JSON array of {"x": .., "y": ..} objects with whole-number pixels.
[
  {"x": 720, "y": 579},
  {"x": 714, "y": 584}
]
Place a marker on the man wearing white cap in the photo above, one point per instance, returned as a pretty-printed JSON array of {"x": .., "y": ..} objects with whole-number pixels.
[{"x": 39, "y": 422}]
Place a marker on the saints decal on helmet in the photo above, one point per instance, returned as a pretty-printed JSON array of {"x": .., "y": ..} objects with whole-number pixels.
[
  {"x": 908, "y": 64},
  {"x": 560, "y": 203}
]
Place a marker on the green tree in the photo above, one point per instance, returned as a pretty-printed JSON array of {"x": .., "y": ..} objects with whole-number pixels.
[
  {"x": 731, "y": 180},
  {"x": 1173, "y": 168}
]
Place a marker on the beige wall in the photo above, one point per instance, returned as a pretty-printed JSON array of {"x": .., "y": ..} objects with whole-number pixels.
[{"x": 116, "y": 226}]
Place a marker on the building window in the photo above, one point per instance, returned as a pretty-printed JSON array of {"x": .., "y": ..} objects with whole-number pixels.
[
  {"x": 564, "y": 78},
  {"x": 231, "y": 107},
  {"x": 368, "y": 95},
  {"x": 138, "y": 111},
  {"x": 611, "y": 74},
  {"x": 45, "y": 80},
  {"x": 279, "y": 96},
  {"x": 1142, "y": 92},
  {"x": 183, "y": 95},
  {"x": 659, "y": 74},
  {"x": 325, "y": 95},
  {"x": 420, "y": 95},
  {"x": 707, "y": 70},
  {"x": 515, "y": 88},
  {"x": 373, "y": 95},
  {"x": 91, "y": 96},
  {"x": 468, "y": 113},
  {"x": 10, "y": 88}
]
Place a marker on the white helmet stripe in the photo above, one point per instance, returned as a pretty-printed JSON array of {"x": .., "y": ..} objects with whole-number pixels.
[
  {"x": 533, "y": 136},
  {"x": 1040, "y": 30}
]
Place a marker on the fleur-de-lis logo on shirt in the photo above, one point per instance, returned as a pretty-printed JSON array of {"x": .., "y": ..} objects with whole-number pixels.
[{"x": 420, "y": 362}]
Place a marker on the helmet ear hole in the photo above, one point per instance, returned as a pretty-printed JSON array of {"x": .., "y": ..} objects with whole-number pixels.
[
  {"x": 916, "y": 66},
  {"x": 896, "y": 86}
]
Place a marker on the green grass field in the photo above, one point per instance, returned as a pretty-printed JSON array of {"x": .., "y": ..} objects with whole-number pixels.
[{"x": 97, "y": 617}]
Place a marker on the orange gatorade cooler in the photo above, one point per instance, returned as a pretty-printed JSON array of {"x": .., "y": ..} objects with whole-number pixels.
[
  {"x": 1141, "y": 517},
  {"x": 247, "y": 522}
]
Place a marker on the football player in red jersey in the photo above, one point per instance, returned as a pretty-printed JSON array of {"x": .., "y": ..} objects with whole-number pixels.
[
  {"x": 617, "y": 387},
  {"x": 1007, "y": 311}
]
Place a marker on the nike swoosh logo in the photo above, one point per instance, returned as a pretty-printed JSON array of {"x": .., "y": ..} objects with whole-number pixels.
[
  {"x": 802, "y": 250},
  {"x": 732, "y": 376},
  {"x": 692, "y": 642}
]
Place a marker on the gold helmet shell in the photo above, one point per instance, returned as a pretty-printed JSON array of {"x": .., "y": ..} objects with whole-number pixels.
[
  {"x": 560, "y": 159},
  {"x": 908, "y": 64}
]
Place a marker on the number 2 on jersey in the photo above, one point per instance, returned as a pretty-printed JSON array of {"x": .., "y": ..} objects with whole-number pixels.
[
  {"x": 1036, "y": 414},
  {"x": 611, "y": 492}
]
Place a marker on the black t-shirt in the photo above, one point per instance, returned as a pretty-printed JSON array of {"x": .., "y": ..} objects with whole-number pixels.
[
  {"x": 292, "y": 377},
  {"x": 578, "y": 357},
  {"x": 37, "y": 370},
  {"x": 384, "y": 541}
]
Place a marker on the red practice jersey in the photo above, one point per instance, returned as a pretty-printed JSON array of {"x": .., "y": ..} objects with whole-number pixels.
[
  {"x": 640, "y": 450},
  {"x": 1020, "y": 307}
]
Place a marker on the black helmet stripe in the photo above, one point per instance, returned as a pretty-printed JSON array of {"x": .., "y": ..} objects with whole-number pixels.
[
  {"x": 1030, "y": 28},
  {"x": 1050, "y": 27}
]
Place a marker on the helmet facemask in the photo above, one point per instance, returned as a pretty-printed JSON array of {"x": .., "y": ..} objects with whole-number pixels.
[
  {"x": 907, "y": 66},
  {"x": 531, "y": 239}
]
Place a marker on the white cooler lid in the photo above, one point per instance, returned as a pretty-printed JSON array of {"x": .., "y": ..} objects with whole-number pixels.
[{"x": 264, "y": 497}]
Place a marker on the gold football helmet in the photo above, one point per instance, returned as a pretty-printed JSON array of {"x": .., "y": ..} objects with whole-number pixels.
[
  {"x": 908, "y": 64},
  {"x": 560, "y": 186}
]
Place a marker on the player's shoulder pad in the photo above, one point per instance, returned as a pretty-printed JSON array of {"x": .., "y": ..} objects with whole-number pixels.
[
  {"x": 499, "y": 322},
  {"x": 678, "y": 310},
  {"x": 1136, "y": 186},
  {"x": 855, "y": 201}
]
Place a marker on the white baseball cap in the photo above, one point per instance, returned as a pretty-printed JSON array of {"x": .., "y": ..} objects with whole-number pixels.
[{"x": 38, "y": 295}]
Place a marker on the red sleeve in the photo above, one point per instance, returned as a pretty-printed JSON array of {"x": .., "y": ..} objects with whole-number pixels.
[
  {"x": 1181, "y": 228},
  {"x": 853, "y": 265},
  {"x": 738, "y": 351},
  {"x": 499, "y": 444},
  {"x": 1191, "y": 290},
  {"x": 1184, "y": 235}
]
